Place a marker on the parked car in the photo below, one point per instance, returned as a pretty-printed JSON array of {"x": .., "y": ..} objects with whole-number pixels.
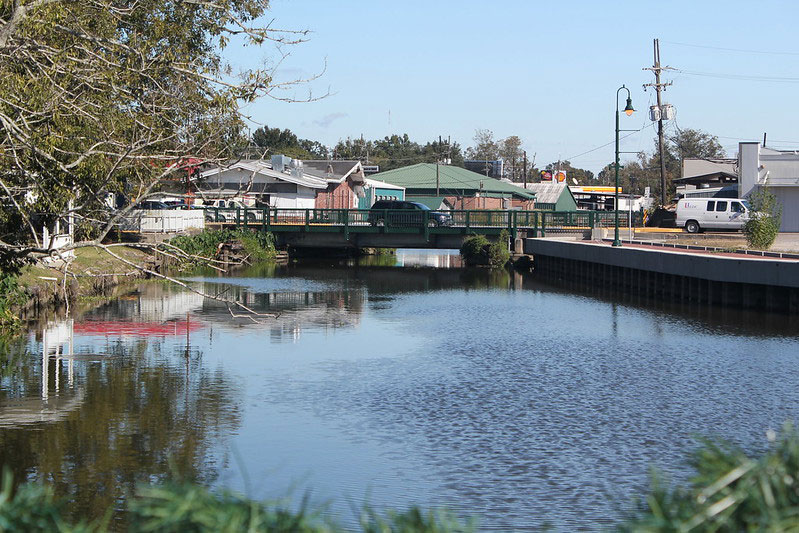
[
  {"x": 402, "y": 213},
  {"x": 227, "y": 211},
  {"x": 177, "y": 204},
  {"x": 152, "y": 204},
  {"x": 697, "y": 214}
]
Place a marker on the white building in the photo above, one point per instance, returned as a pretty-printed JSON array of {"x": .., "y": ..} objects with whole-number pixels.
[
  {"x": 286, "y": 188},
  {"x": 708, "y": 178},
  {"x": 779, "y": 171},
  {"x": 287, "y": 183}
]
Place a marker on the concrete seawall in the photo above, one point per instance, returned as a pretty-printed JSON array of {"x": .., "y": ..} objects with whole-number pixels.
[{"x": 715, "y": 279}]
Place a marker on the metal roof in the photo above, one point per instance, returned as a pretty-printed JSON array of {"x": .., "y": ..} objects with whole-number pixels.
[
  {"x": 547, "y": 192},
  {"x": 264, "y": 168},
  {"x": 452, "y": 180},
  {"x": 383, "y": 185},
  {"x": 433, "y": 202},
  {"x": 333, "y": 171},
  {"x": 692, "y": 166}
]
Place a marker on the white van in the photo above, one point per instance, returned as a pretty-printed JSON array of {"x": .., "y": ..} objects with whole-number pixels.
[{"x": 697, "y": 214}]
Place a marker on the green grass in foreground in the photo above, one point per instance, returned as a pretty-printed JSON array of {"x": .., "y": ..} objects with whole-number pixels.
[{"x": 730, "y": 492}]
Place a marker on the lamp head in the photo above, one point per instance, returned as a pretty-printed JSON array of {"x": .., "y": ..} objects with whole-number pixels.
[{"x": 629, "y": 109}]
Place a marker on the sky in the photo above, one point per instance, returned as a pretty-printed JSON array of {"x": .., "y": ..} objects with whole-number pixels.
[{"x": 545, "y": 71}]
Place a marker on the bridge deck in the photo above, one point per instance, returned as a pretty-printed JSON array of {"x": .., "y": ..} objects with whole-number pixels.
[{"x": 389, "y": 228}]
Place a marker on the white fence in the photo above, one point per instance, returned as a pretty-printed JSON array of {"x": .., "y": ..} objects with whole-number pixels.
[
  {"x": 59, "y": 240},
  {"x": 164, "y": 221}
]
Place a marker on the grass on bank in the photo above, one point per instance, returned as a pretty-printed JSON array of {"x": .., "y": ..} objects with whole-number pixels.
[
  {"x": 88, "y": 261},
  {"x": 730, "y": 492},
  {"x": 259, "y": 246},
  {"x": 16, "y": 288},
  {"x": 189, "y": 508}
]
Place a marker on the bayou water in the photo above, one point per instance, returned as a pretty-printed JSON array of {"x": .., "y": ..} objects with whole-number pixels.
[{"x": 399, "y": 381}]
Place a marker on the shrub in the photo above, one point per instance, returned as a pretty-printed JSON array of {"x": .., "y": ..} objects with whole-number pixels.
[
  {"x": 498, "y": 252},
  {"x": 477, "y": 250},
  {"x": 474, "y": 250},
  {"x": 11, "y": 295},
  {"x": 32, "y": 507},
  {"x": 258, "y": 245},
  {"x": 764, "y": 219},
  {"x": 187, "y": 508},
  {"x": 414, "y": 520},
  {"x": 730, "y": 492}
]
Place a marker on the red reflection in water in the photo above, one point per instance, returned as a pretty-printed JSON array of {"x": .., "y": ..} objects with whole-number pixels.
[{"x": 140, "y": 329}]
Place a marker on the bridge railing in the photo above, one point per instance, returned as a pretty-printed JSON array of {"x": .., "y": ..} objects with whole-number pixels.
[{"x": 541, "y": 222}]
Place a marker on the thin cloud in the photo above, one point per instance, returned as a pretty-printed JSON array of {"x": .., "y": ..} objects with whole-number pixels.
[{"x": 327, "y": 120}]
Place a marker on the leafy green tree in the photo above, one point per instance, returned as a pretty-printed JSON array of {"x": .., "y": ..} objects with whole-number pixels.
[
  {"x": 315, "y": 149},
  {"x": 442, "y": 150},
  {"x": 355, "y": 149},
  {"x": 694, "y": 143},
  {"x": 101, "y": 96},
  {"x": 645, "y": 171},
  {"x": 273, "y": 141},
  {"x": 395, "y": 151}
]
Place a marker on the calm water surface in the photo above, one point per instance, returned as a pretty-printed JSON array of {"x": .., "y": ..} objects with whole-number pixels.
[{"x": 492, "y": 394}]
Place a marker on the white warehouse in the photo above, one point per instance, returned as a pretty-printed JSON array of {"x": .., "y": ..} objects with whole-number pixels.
[{"x": 759, "y": 166}]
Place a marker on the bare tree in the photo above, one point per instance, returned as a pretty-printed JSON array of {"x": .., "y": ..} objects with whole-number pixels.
[
  {"x": 485, "y": 147},
  {"x": 510, "y": 150}
]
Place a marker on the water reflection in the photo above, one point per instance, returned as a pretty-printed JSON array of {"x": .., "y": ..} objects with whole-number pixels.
[
  {"x": 494, "y": 393},
  {"x": 102, "y": 410},
  {"x": 20, "y": 405},
  {"x": 409, "y": 257}
]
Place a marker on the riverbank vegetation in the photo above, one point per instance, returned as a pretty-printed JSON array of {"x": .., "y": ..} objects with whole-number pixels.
[
  {"x": 11, "y": 296},
  {"x": 477, "y": 250},
  {"x": 256, "y": 245},
  {"x": 730, "y": 491},
  {"x": 92, "y": 272},
  {"x": 186, "y": 507}
]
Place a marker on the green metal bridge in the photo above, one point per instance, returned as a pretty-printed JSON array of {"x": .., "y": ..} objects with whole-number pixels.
[{"x": 405, "y": 228}]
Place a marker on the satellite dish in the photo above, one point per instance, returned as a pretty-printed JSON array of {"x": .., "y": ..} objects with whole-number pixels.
[{"x": 575, "y": 181}]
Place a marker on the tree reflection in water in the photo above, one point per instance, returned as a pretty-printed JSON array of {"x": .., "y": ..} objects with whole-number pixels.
[{"x": 142, "y": 418}]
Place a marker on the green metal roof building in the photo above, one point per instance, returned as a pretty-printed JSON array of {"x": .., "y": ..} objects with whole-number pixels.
[{"x": 420, "y": 180}]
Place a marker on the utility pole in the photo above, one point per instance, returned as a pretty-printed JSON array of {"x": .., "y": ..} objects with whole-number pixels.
[
  {"x": 438, "y": 159},
  {"x": 659, "y": 87},
  {"x": 524, "y": 169}
]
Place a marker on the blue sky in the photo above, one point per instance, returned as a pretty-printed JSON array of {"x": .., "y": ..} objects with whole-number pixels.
[{"x": 545, "y": 71}]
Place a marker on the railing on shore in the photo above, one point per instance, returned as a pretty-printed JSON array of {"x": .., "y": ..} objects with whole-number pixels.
[
  {"x": 163, "y": 220},
  {"x": 534, "y": 223}
]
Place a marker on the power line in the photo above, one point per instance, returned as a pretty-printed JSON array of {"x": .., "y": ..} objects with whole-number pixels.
[
  {"x": 611, "y": 142},
  {"x": 739, "y": 77},
  {"x": 734, "y": 49}
]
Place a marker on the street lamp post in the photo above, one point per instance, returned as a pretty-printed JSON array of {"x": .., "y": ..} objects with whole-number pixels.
[{"x": 628, "y": 110}]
